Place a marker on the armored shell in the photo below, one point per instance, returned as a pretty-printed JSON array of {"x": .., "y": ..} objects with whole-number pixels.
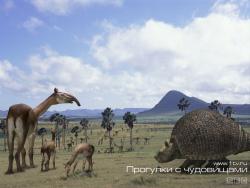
[{"x": 205, "y": 134}]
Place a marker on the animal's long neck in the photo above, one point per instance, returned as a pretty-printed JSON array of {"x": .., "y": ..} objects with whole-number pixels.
[{"x": 43, "y": 107}]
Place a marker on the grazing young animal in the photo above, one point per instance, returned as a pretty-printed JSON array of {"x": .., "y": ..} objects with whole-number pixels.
[
  {"x": 49, "y": 148},
  {"x": 87, "y": 151},
  {"x": 22, "y": 124}
]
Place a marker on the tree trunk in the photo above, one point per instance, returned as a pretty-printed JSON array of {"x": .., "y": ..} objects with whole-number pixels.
[
  {"x": 59, "y": 142},
  {"x": 131, "y": 141},
  {"x": 110, "y": 143},
  {"x": 85, "y": 133},
  {"x": 42, "y": 139},
  {"x": 4, "y": 138},
  {"x": 63, "y": 138}
]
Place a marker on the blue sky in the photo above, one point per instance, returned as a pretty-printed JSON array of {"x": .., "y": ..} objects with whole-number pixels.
[{"x": 124, "y": 53}]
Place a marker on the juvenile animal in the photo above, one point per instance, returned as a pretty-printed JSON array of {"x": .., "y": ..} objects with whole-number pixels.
[
  {"x": 49, "y": 149},
  {"x": 204, "y": 136},
  {"x": 82, "y": 151},
  {"x": 22, "y": 124}
]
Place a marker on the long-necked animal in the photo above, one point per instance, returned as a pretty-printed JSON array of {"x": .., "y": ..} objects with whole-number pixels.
[
  {"x": 204, "y": 136},
  {"x": 22, "y": 124},
  {"x": 87, "y": 151},
  {"x": 49, "y": 148}
]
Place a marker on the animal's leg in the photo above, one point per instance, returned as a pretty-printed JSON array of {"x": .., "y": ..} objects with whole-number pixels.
[
  {"x": 83, "y": 164},
  {"x": 21, "y": 135},
  {"x": 17, "y": 154},
  {"x": 89, "y": 159},
  {"x": 24, "y": 165},
  {"x": 226, "y": 164},
  {"x": 211, "y": 164},
  {"x": 42, "y": 163},
  {"x": 222, "y": 164},
  {"x": 31, "y": 146},
  {"x": 54, "y": 159},
  {"x": 47, "y": 162},
  {"x": 186, "y": 164},
  {"x": 11, "y": 137},
  {"x": 67, "y": 169},
  {"x": 199, "y": 163},
  {"x": 74, "y": 166}
]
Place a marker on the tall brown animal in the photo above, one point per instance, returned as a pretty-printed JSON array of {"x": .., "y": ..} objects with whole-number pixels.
[
  {"x": 49, "y": 148},
  {"x": 87, "y": 152},
  {"x": 22, "y": 124}
]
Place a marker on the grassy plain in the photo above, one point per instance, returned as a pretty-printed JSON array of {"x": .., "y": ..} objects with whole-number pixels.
[{"x": 110, "y": 169}]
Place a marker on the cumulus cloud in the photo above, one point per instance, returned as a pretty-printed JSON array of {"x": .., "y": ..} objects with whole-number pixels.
[
  {"x": 95, "y": 86},
  {"x": 8, "y": 5},
  {"x": 136, "y": 65},
  {"x": 62, "y": 7},
  {"x": 7, "y": 70},
  {"x": 202, "y": 58},
  {"x": 32, "y": 24}
]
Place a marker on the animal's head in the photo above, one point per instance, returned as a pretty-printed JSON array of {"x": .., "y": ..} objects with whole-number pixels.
[
  {"x": 167, "y": 153},
  {"x": 61, "y": 97}
]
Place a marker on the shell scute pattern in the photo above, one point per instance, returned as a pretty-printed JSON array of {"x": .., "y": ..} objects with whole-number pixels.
[{"x": 205, "y": 134}]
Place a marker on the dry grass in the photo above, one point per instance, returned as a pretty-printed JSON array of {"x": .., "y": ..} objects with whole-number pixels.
[{"x": 110, "y": 169}]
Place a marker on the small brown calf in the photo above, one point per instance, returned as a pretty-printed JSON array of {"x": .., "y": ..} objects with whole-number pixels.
[{"x": 87, "y": 151}]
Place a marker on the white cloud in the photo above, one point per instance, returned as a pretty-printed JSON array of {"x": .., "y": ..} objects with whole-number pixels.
[
  {"x": 8, "y": 5},
  {"x": 62, "y": 7},
  {"x": 136, "y": 65},
  {"x": 229, "y": 8},
  {"x": 32, "y": 24},
  {"x": 9, "y": 76},
  {"x": 201, "y": 58}
]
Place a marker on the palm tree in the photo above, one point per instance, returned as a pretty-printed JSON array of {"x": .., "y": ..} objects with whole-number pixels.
[
  {"x": 129, "y": 119},
  {"x": 65, "y": 122},
  {"x": 183, "y": 104},
  {"x": 55, "y": 118},
  {"x": 59, "y": 120},
  {"x": 228, "y": 111},
  {"x": 108, "y": 124},
  {"x": 3, "y": 127},
  {"x": 84, "y": 123},
  {"x": 41, "y": 132},
  {"x": 215, "y": 105},
  {"x": 75, "y": 130}
]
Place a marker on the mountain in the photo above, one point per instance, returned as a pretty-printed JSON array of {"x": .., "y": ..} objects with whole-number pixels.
[
  {"x": 168, "y": 104},
  {"x": 85, "y": 112},
  {"x": 94, "y": 112},
  {"x": 3, "y": 113}
]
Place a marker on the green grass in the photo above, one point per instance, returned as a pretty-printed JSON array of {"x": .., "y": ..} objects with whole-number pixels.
[{"x": 110, "y": 169}]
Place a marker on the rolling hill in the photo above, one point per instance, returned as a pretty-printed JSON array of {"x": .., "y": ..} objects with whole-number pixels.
[
  {"x": 84, "y": 112},
  {"x": 168, "y": 105}
]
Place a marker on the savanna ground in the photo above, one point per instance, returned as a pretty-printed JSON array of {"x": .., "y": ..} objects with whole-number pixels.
[{"x": 110, "y": 168}]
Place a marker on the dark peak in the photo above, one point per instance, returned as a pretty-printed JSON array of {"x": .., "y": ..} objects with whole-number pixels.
[{"x": 175, "y": 93}]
